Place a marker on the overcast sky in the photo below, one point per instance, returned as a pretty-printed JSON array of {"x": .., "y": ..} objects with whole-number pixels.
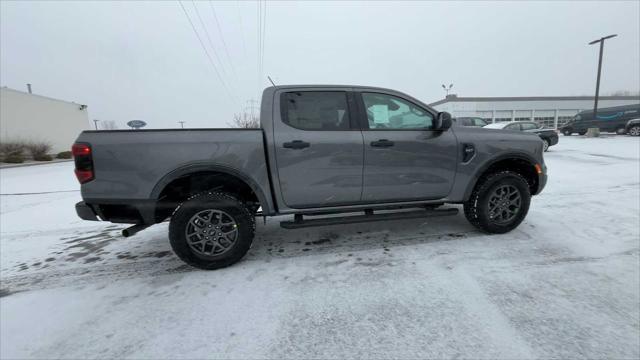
[{"x": 142, "y": 60}]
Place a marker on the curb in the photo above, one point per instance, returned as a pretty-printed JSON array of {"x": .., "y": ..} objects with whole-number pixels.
[{"x": 34, "y": 163}]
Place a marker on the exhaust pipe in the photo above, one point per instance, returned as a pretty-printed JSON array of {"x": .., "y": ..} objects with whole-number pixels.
[{"x": 130, "y": 231}]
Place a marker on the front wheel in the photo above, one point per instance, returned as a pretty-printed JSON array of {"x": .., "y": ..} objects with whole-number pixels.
[
  {"x": 499, "y": 202},
  {"x": 634, "y": 130},
  {"x": 566, "y": 132},
  {"x": 620, "y": 131},
  {"x": 211, "y": 230},
  {"x": 545, "y": 144}
]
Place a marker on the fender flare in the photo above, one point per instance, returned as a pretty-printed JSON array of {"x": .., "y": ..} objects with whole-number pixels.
[
  {"x": 487, "y": 164},
  {"x": 193, "y": 168}
]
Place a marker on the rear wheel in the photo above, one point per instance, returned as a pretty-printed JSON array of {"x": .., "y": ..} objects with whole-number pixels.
[
  {"x": 620, "y": 131},
  {"x": 582, "y": 132},
  {"x": 211, "y": 230},
  {"x": 566, "y": 132},
  {"x": 634, "y": 130},
  {"x": 499, "y": 202}
]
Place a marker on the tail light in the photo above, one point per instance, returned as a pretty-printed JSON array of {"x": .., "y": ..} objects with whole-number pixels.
[{"x": 84, "y": 162}]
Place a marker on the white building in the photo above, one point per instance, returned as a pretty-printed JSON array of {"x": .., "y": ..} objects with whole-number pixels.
[
  {"x": 552, "y": 111},
  {"x": 30, "y": 117}
]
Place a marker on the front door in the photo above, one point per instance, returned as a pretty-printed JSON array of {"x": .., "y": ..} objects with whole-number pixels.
[
  {"x": 404, "y": 158},
  {"x": 318, "y": 149}
]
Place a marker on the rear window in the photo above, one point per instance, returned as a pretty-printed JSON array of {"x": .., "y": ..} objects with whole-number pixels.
[{"x": 316, "y": 110}]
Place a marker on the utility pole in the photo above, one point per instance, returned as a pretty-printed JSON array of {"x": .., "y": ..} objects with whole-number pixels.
[
  {"x": 601, "y": 41},
  {"x": 182, "y": 124},
  {"x": 95, "y": 122}
]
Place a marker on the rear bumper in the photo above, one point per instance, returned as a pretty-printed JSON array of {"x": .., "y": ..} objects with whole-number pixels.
[
  {"x": 85, "y": 212},
  {"x": 119, "y": 211}
]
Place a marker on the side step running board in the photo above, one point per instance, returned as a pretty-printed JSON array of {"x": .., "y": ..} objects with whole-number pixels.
[{"x": 369, "y": 216}]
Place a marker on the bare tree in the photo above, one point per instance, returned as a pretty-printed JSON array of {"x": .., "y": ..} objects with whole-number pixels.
[
  {"x": 108, "y": 125},
  {"x": 245, "y": 120}
]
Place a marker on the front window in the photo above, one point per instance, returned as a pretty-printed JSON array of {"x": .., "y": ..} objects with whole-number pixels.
[{"x": 391, "y": 112}]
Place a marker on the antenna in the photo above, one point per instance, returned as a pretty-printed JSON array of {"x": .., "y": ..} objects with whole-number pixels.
[{"x": 272, "y": 83}]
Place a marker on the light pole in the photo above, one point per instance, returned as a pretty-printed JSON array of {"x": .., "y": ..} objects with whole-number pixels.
[
  {"x": 447, "y": 89},
  {"x": 95, "y": 122},
  {"x": 601, "y": 41},
  {"x": 181, "y": 124}
]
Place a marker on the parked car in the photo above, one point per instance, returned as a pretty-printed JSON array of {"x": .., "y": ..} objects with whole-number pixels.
[
  {"x": 548, "y": 136},
  {"x": 470, "y": 121},
  {"x": 633, "y": 127},
  {"x": 612, "y": 119},
  {"x": 320, "y": 150}
]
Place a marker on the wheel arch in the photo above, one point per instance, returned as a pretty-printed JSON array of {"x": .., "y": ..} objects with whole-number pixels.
[
  {"x": 521, "y": 163},
  {"x": 229, "y": 177}
]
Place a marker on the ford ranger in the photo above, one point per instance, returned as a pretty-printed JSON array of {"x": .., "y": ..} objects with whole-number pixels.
[{"x": 369, "y": 154}]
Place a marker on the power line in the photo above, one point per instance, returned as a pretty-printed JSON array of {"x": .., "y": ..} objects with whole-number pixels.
[
  {"x": 224, "y": 85},
  {"x": 264, "y": 33},
  {"x": 213, "y": 48},
  {"x": 259, "y": 51},
  {"x": 224, "y": 43},
  {"x": 244, "y": 43},
  {"x": 261, "y": 27}
]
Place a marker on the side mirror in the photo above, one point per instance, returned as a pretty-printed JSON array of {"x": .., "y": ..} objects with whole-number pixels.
[{"x": 443, "y": 121}]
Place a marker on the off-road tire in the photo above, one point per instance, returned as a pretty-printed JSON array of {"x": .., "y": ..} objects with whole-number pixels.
[
  {"x": 476, "y": 208},
  {"x": 219, "y": 201}
]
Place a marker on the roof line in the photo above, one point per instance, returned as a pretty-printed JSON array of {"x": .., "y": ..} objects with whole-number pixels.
[
  {"x": 42, "y": 96},
  {"x": 531, "y": 98}
]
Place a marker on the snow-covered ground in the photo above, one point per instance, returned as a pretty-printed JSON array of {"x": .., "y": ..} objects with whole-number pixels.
[{"x": 565, "y": 284}]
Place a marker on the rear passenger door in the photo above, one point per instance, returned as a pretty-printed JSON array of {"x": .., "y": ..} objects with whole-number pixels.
[
  {"x": 404, "y": 158},
  {"x": 318, "y": 148}
]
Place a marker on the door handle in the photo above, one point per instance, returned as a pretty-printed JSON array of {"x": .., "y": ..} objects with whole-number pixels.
[
  {"x": 296, "y": 144},
  {"x": 383, "y": 143}
]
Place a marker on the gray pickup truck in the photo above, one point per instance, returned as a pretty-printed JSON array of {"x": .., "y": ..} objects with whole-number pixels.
[{"x": 369, "y": 154}]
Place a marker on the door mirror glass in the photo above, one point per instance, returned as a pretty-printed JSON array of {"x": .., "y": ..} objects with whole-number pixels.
[{"x": 443, "y": 121}]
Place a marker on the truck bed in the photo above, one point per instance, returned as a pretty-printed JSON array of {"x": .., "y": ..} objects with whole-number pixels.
[{"x": 134, "y": 164}]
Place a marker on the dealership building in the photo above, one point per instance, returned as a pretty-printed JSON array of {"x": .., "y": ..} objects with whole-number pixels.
[
  {"x": 551, "y": 111},
  {"x": 29, "y": 117}
]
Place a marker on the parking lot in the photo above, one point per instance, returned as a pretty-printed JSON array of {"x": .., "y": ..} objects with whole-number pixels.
[{"x": 565, "y": 284}]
